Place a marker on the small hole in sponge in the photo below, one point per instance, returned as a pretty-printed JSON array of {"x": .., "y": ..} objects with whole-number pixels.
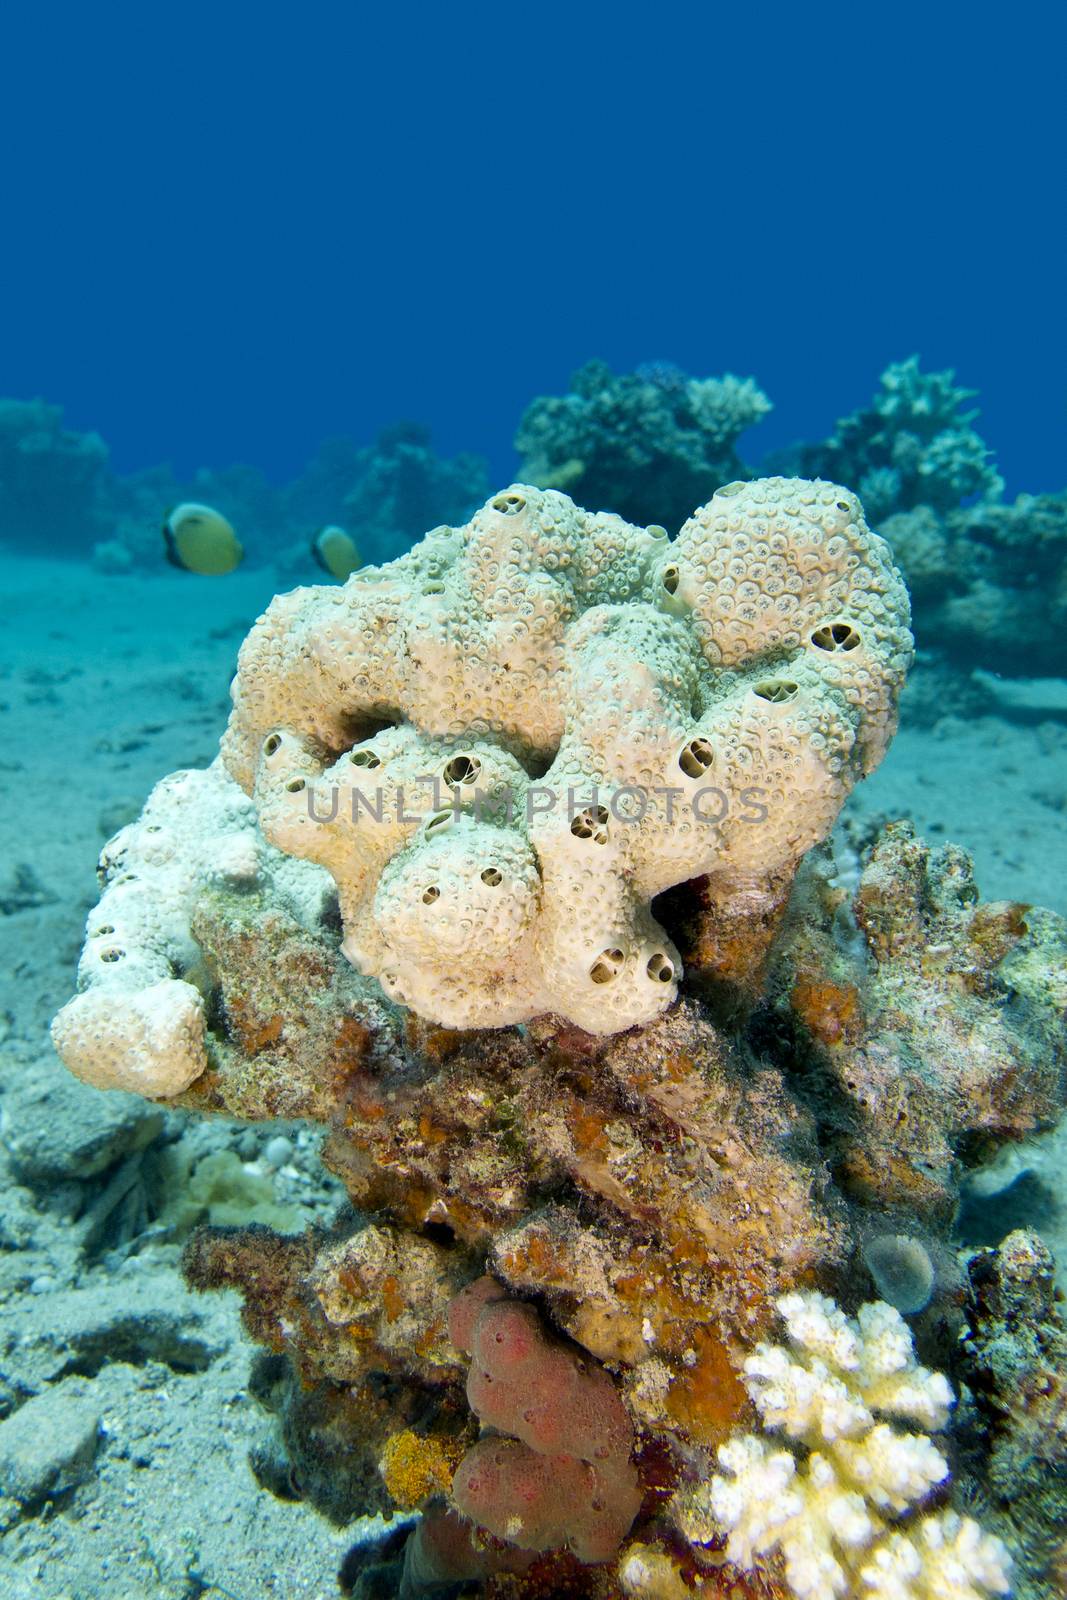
[
  {"x": 112, "y": 955},
  {"x": 836, "y": 636},
  {"x": 696, "y": 757},
  {"x": 592, "y": 823},
  {"x": 728, "y": 490},
  {"x": 509, "y": 504},
  {"x": 606, "y": 966},
  {"x": 670, "y": 579},
  {"x": 842, "y": 505},
  {"x": 776, "y": 690},
  {"x": 462, "y": 769},
  {"x": 431, "y": 894},
  {"x": 492, "y": 877},
  {"x": 365, "y": 758},
  {"x": 295, "y": 785},
  {"x": 660, "y": 968},
  {"x": 105, "y": 927},
  {"x": 272, "y": 743},
  {"x": 439, "y": 821}
]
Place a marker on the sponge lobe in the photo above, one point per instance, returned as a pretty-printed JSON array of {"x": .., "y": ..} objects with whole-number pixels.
[{"x": 555, "y": 1470}]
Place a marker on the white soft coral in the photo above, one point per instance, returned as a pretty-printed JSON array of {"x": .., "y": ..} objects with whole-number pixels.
[{"x": 831, "y": 1390}]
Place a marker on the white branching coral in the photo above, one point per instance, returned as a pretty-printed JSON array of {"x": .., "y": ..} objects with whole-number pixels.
[
  {"x": 823, "y": 1506},
  {"x": 838, "y": 1372},
  {"x": 945, "y": 1557}
]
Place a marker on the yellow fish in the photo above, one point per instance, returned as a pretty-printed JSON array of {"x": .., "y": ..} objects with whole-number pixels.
[
  {"x": 336, "y": 552},
  {"x": 199, "y": 539}
]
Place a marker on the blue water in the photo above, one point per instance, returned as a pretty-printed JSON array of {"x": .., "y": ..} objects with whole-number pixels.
[{"x": 231, "y": 232}]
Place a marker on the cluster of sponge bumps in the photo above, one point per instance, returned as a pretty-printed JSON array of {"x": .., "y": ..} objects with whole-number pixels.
[
  {"x": 138, "y": 1022},
  {"x": 501, "y": 748},
  {"x": 554, "y": 1467},
  {"x": 504, "y": 744}
]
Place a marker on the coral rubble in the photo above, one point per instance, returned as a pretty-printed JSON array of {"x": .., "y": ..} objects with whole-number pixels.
[{"x": 584, "y": 1185}]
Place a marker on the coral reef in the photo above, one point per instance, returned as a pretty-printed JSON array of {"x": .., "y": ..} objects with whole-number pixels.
[
  {"x": 550, "y": 1298},
  {"x": 1015, "y": 1363},
  {"x": 989, "y": 581},
  {"x": 400, "y": 487},
  {"x": 826, "y": 1390},
  {"x": 912, "y": 446},
  {"x": 53, "y": 481},
  {"x": 385, "y": 494},
  {"x": 59, "y": 491},
  {"x": 647, "y": 444},
  {"x": 889, "y": 1060}
]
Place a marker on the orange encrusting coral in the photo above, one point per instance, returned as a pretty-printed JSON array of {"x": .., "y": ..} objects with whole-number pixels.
[
  {"x": 707, "y": 1398},
  {"x": 831, "y": 1012},
  {"x": 414, "y": 1467}
]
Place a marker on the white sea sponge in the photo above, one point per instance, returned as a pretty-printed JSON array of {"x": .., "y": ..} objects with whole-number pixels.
[
  {"x": 138, "y": 1022},
  {"x": 638, "y": 712},
  {"x": 149, "y": 1041},
  {"x": 823, "y": 1516}
]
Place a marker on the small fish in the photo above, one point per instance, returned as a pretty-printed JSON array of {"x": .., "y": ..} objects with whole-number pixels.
[
  {"x": 199, "y": 539},
  {"x": 336, "y": 552}
]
